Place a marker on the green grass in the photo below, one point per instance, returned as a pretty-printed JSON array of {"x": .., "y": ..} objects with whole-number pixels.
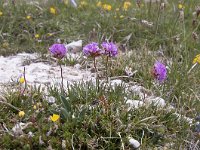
[{"x": 101, "y": 127}]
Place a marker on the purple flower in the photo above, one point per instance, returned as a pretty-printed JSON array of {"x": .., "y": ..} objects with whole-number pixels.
[
  {"x": 92, "y": 49},
  {"x": 159, "y": 71},
  {"x": 110, "y": 49},
  {"x": 58, "y": 50}
]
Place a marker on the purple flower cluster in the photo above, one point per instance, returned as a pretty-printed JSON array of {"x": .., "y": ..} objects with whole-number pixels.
[
  {"x": 58, "y": 50},
  {"x": 92, "y": 49},
  {"x": 108, "y": 48},
  {"x": 159, "y": 71}
]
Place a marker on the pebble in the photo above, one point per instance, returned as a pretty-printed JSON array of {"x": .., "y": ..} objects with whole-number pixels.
[
  {"x": 134, "y": 143},
  {"x": 133, "y": 104},
  {"x": 158, "y": 101}
]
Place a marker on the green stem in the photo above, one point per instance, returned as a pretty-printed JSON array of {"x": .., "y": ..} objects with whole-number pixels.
[
  {"x": 97, "y": 76},
  {"x": 61, "y": 73},
  {"x": 107, "y": 68}
]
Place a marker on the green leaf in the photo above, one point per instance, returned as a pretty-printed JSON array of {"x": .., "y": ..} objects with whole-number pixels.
[{"x": 65, "y": 103}]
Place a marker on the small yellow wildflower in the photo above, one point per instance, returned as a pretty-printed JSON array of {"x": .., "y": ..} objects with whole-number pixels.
[
  {"x": 117, "y": 9},
  {"x": 121, "y": 16},
  {"x": 34, "y": 107},
  {"x": 55, "y": 117},
  {"x": 21, "y": 80},
  {"x": 1, "y": 13},
  {"x": 37, "y": 36},
  {"x": 180, "y": 6},
  {"x": 49, "y": 34},
  {"x": 28, "y": 17},
  {"x": 5, "y": 44},
  {"x": 99, "y": 4},
  {"x": 66, "y": 2},
  {"x": 21, "y": 114},
  {"x": 83, "y": 3},
  {"x": 196, "y": 59},
  {"x": 52, "y": 10},
  {"x": 39, "y": 104},
  {"x": 107, "y": 7},
  {"x": 126, "y": 5}
]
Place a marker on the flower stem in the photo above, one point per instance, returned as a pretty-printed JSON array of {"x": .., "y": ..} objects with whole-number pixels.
[
  {"x": 97, "y": 76},
  {"x": 107, "y": 68},
  {"x": 25, "y": 86},
  {"x": 61, "y": 73}
]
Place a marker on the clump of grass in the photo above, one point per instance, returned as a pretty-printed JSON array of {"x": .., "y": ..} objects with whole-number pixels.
[{"x": 172, "y": 38}]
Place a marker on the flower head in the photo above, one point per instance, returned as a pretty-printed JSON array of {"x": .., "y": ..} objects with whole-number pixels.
[
  {"x": 1, "y": 13},
  {"x": 126, "y": 5},
  {"x": 92, "y": 49},
  {"x": 52, "y": 10},
  {"x": 159, "y": 71},
  {"x": 34, "y": 107},
  {"x": 180, "y": 6},
  {"x": 37, "y": 36},
  {"x": 21, "y": 114},
  {"x": 107, "y": 7},
  {"x": 110, "y": 49},
  {"x": 121, "y": 16},
  {"x": 55, "y": 117},
  {"x": 196, "y": 59},
  {"x": 28, "y": 17},
  {"x": 58, "y": 50},
  {"x": 83, "y": 3},
  {"x": 66, "y": 2},
  {"x": 21, "y": 79},
  {"x": 99, "y": 4}
]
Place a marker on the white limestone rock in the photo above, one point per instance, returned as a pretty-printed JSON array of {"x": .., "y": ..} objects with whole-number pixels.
[
  {"x": 158, "y": 101},
  {"x": 133, "y": 104}
]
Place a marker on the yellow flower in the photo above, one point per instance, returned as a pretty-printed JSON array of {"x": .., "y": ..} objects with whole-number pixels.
[
  {"x": 83, "y": 3},
  {"x": 28, "y": 17},
  {"x": 126, "y": 5},
  {"x": 107, "y": 7},
  {"x": 196, "y": 59},
  {"x": 39, "y": 104},
  {"x": 49, "y": 34},
  {"x": 21, "y": 80},
  {"x": 55, "y": 117},
  {"x": 66, "y": 2},
  {"x": 5, "y": 44},
  {"x": 37, "y": 36},
  {"x": 34, "y": 107},
  {"x": 180, "y": 6},
  {"x": 1, "y": 13},
  {"x": 99, "y": 4},
  {"x": 52, "y": 10},
  {"x": 21, "y": 114},
  {"x": 121, "y": 16}
]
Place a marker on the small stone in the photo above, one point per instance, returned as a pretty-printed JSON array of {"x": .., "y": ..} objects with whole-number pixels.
[
  {"x": 30, "y": 134},
  {"x": 134, "y": 104},
  {"x": 75, "y": 46},
  {"x": 156, "y": 101},
  {"x": 116, "y": 82},
  {"x": 134, "y": 143},
  {"x": 63, "y": 144},
  {"x": 198, "y": 118},
  {"x": 77, "y": 66},
  {"x": 197, "y": 128},
  {"x": 51, "y": 99}
]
